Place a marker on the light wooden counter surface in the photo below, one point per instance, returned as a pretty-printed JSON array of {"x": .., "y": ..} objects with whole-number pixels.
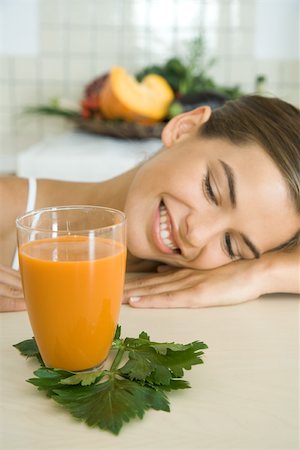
[{"x": 245, "y": 396}]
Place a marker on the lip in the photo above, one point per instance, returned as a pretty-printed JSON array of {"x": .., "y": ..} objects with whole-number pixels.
[{"x": 156, "y": 233}]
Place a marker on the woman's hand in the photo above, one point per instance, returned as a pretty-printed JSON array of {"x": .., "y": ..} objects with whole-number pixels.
[
  {"x": 11, "y": 292},
  {"x": 234, "y": 283}
]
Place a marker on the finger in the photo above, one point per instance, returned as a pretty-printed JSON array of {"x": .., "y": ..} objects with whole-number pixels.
[
  {"x": 9, "y": 277},
  {"x": 165, "y": 268},
  {"x": 155, "y": 289},
  {"x": 185, "y": 298},
  {"x": 156, "y": 279},
  {"x": 11, "y": 281},
  {"x": 11, "y": 304},
  {"x": 11, "y": 291},
  {"x": 10, "y": 270}
]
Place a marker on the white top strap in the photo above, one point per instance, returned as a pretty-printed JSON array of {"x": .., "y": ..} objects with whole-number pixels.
[{"x": 31, "y": 200}]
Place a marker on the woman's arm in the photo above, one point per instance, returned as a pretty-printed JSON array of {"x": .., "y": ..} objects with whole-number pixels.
[
  {"x": 11, "y": 292},
  {"x": 233, "y": 283},
  {"x": 281, "y": 272},
  {"x": 13, "y": 195},
  {"x": 13, "y": 199}
]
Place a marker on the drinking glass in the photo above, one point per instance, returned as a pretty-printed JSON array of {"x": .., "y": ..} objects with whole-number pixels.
[{"x": 72, "y": 262}]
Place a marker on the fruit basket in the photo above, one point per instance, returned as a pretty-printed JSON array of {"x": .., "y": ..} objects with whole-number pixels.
[
  {"x": 138, "y": 107},
  {"x": 119, "y": 129}
]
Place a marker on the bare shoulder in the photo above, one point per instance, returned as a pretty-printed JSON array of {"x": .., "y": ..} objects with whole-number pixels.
[
  {"x": 14, "y": 192},
  {"x": 58, "y": 192}
]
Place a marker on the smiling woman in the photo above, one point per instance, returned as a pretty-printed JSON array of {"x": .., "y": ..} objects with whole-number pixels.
[
  {"x": 218, "y": 206},
  {"x": 224, "y": 194}
]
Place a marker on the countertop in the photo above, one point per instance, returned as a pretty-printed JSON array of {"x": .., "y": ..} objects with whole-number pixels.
[
  {"x": 79, "y": 156},
  {"x": 244, "y": 396}
]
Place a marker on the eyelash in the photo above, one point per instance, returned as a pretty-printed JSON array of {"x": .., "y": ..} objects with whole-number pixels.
[
  {"x": 208, "y": 189},
  {"x": 228, "y": 246},
  {"x": 210, "y": 194}
]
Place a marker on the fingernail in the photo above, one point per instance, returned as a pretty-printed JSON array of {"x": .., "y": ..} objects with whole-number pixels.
[{"x": 135, "y": 299}]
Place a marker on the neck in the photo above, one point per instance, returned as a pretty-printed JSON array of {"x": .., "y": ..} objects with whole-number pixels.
[{"x": 112, "y": 193}]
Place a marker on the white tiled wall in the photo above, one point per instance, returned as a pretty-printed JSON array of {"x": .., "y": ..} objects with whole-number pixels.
[{"x": 80, "y": 39}]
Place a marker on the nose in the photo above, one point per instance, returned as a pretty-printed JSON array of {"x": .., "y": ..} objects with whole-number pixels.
[{"x": 202, "y": 228}]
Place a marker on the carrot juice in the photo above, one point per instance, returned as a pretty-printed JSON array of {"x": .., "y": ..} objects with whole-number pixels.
[{"x": 73, "y": 298}]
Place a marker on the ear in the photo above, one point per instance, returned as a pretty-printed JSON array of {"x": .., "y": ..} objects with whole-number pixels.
[{"x": 184, "y": 124}]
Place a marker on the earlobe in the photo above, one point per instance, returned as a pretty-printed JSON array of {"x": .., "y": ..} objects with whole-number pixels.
[{"x": 184, "y": 124}]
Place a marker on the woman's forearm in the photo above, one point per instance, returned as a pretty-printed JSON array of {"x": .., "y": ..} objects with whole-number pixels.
[{"x": 280, "y": 272}]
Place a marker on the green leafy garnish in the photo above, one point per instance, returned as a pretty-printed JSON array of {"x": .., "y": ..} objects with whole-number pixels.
[
  {"x": 29, "y": 349},
  {"x": 137, "y": 380}
]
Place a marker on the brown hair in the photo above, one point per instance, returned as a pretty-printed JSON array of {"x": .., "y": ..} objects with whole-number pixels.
[{"x": 272, "y": 123}]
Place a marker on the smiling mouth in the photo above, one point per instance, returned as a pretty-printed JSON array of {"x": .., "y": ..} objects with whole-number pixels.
[{"x": 165, "y": 230}]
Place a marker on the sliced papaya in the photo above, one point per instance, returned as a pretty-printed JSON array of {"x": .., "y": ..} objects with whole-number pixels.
[{"x": 145, "y": 102}]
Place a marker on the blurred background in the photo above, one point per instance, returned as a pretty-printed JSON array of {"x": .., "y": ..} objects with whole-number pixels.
[{"x": 53, "y": 48}]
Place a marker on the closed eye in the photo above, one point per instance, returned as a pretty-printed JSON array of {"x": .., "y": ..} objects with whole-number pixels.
[
  {"x": 228, "y": 246},
  {"x": 210, "y": 195},
  {"x": 209, "y": 190}
]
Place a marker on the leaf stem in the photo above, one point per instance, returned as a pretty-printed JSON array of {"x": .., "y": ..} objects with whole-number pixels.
[{"x": 117, "y": 359}]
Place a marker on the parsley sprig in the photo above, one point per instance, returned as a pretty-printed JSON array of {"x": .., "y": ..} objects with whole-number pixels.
[{"x": 141, "y": 373}]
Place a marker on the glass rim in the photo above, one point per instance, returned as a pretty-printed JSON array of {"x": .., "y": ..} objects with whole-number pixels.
[{"x": 19, "y": 225}]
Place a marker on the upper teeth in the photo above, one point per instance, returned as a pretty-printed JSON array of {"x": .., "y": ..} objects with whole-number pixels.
[{"x": 165, "y": 228}]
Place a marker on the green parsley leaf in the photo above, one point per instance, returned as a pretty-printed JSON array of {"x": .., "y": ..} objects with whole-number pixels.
[
  {"x": 177, "y": 384},
  {"x": 110, "y": 404},
  {"x": 85, "y": 379},
  {"x": 144, "y": 336},
  {"x": 162, "y": 347},
  {"x": 109, "y": 398},
  {"x": 158, "y": 363},
  {"x": 29, "y": 349},
  {"x": 146, "y": 366},
  {"x": 48, "y": 379}
]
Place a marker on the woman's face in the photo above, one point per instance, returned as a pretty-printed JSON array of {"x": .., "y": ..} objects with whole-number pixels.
[{"x": 204, "y": 203}]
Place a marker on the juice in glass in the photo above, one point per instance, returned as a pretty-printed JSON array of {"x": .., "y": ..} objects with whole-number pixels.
[{"x": 73, "y": 285}]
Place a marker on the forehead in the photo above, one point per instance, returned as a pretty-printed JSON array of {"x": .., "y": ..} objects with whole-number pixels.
[{"x": 248, "y": 160}]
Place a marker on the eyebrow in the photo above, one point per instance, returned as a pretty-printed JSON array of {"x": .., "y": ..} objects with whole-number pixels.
[
  {"x": 232, "y": 193},
  {"x": 231, "y": 182},
  {"x": 251, "y": 246}
]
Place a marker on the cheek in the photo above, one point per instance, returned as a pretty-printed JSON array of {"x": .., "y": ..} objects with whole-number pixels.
[
  {"x": 211, "y": 257},
  {"x": 136, "y": 227}
]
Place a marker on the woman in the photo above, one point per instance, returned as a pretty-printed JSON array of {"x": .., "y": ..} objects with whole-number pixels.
[{"x": 218, "y": 206}]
